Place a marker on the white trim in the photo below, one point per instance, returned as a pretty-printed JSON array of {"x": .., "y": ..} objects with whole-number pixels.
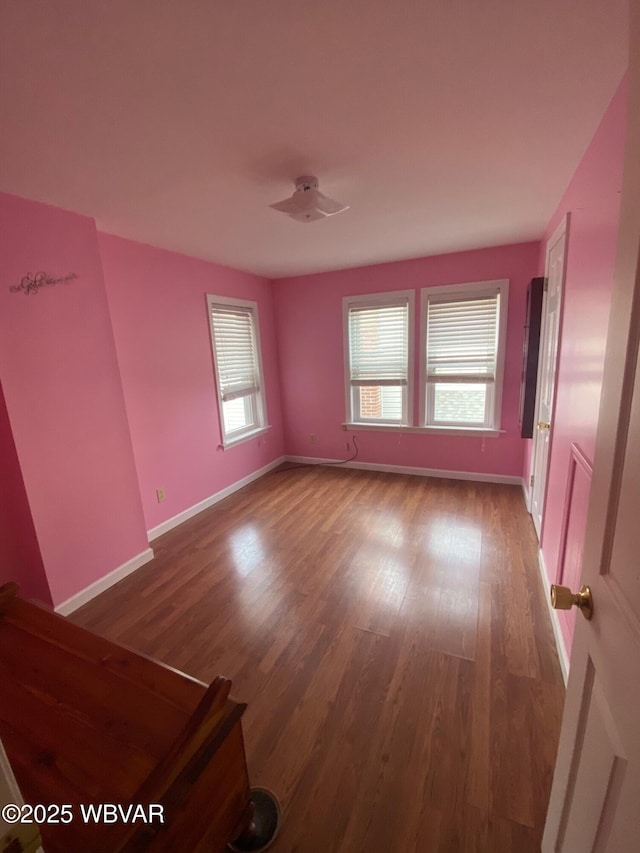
[
  {"x": 378, "y": 300},
  {"x": 26, "y": 834},
  {"x": 102, "y": 584},
  {"x": 528, "y": 492},
  {"x": 482, "y": 432},
  {"x": 186, "y": 514},
  {"x": 561, "y": 230},
  {"x": 471, "y": 476},
  {"x": 9, "y": 783},
  {"x": 256, "y": 433},
  {"x": 259, "y": 395},
  {"x": 85, "y": 595},
  {"x": 563, "y": 657}
]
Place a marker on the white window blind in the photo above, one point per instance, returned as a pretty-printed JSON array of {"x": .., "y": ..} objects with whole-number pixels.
[
  {"x": 462, "y": 339},
  {"x": 378, "y": 347},
  {"x": 378, "y": 342},
  {"x": 236, "y": 353},
  {"x": 462, "y": 357},
  {"x": 235, "y": 349}
]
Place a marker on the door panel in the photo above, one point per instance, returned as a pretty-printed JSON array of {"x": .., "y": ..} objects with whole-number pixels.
[
  {"x": 626, "y": 539},
  {"x": 598, "y": 773}
]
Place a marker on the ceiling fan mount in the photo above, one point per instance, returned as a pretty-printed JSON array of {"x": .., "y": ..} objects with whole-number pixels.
[
  {"x": 306, "y": 183},
  {"x": 307, "y": 203}
]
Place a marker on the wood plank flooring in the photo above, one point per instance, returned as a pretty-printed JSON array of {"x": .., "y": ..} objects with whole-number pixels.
[{"x": 391, "y": 638}]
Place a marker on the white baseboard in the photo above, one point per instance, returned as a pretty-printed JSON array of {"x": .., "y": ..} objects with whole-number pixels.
[
  {"x": 525, "y": 492},
  {"x": 85, "y": 595},
  {"x": 555, "y": 621},
  {"x": 419, "y": 472},
  {"x": 104, "y": 583},
  {"x": 186, "y": 514}
]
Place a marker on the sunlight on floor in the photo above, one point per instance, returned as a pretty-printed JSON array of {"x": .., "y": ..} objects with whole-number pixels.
[
  {"x": 446, "y": 539},
  {"x": 247, "y": 551}
]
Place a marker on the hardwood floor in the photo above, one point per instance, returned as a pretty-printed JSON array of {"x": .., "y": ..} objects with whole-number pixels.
[{"x": 391, "y": 638}]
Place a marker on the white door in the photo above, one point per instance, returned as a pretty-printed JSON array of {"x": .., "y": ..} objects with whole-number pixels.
[
  {"x": 595, "y": 798},
  {"x": 547, "y": 367}
]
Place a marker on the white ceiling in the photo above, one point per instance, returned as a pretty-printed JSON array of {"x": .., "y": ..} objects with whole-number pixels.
[{"x": 444, "y": 124}]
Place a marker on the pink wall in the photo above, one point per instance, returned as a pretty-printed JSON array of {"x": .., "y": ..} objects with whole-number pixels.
[
  {"x": 64, "y": 398},
  {"x": 593, "y": 200},
  {"x": 160, "y": 323},
  {"x": 310, "y": 345},
  {"x": 90, "y": 426},
  {"x": 20, "y": 558}
]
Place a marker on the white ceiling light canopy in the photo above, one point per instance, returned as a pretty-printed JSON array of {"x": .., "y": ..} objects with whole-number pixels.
[{"x": 307, "y": 202}]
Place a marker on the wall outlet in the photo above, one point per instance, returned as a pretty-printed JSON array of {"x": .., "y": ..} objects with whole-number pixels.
[
  {"x": 161, "y": 495},
  {"x": 312, "y": 438}
]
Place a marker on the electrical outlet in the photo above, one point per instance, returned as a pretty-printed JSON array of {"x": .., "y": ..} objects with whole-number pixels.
[
  {"x": 312, "y": 438},
  {"x": 161, "y": 495}
]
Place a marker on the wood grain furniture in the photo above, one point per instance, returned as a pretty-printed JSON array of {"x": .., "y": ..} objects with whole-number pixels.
[{"x": 86, "y": 721}]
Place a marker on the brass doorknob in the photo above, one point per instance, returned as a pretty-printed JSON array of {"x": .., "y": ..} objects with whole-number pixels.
[
  {"x": 563, "y": 599},
  {"x": 543, "y": 425}
]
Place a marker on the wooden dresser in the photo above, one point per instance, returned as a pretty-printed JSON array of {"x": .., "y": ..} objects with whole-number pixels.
[{"x": 85, "y": 721}]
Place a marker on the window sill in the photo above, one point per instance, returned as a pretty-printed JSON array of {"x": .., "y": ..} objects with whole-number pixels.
[
  {"x": 481, "y": 432},
  {"x": 246, "y": 436}
]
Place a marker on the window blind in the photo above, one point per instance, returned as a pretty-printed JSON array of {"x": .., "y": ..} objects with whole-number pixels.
[
  {"x": 378, "y": 344},
  {"x": 235, "y": 351},
  {"x": 462, "y": 338}
]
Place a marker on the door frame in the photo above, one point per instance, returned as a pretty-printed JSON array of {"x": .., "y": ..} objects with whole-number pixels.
[{"x": 561, "y": 228}]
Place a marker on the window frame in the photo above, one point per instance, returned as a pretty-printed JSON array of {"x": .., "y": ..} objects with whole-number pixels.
[
  {"x": 258, "y": 396},
  {"x": 478, "y": 289},
  {"x": 379, "y": 300}
]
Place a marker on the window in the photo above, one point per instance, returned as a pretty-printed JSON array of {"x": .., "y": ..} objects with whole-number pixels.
[
  {"x": 464, "y": 330},
  {"x": 236, "y": 354},
  {"x": 377, "y": 345}
]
